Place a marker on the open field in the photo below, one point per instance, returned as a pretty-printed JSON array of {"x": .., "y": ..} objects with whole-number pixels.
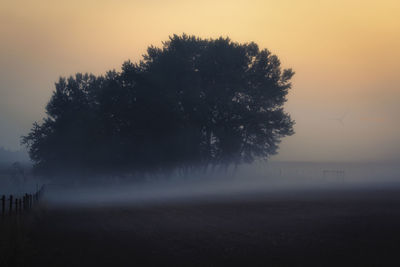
[{"x": 357, "y": 227}]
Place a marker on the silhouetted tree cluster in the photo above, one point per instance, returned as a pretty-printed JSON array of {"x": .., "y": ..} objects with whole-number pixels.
[{"x": 192, "y": 103}]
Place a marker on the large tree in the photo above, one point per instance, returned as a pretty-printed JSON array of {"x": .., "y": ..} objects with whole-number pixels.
[{"x": 192, "y": 103}]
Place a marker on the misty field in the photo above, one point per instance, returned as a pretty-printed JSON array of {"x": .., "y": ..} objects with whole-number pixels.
[{"x": 357, "y": 227}]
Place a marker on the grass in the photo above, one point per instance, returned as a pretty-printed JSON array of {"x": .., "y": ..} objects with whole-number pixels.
[
  {"x": 13, "y": 241},
  {"x": 16, "y": 247},
  {"x": 336, "y": 228}
]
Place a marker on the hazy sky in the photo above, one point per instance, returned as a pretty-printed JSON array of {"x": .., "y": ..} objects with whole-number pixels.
[{"x": 346, "y": 55}]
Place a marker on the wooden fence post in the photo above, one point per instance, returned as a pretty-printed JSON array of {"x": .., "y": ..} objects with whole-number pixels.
[
  {"x": 27, "y": 201},
  {"x": 3, "y": 205},
  {"x": 24, "y": 202},
  {"x": 11, "y": 202}
]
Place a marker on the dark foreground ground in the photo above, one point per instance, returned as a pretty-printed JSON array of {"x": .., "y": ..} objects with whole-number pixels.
[{"x": 324, "y": 228}]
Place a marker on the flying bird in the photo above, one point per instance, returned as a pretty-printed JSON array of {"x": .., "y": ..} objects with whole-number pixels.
[{"x": 340, "y": 119}]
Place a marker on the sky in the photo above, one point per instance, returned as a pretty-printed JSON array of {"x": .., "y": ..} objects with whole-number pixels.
[{"x": 346, "y": 55}]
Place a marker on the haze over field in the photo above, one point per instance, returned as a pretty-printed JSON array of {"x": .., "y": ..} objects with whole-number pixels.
[
  {"x": 346, "y": 55},
  {"x": 274, "y": 179},
  {"x": 223, "y": 133}
]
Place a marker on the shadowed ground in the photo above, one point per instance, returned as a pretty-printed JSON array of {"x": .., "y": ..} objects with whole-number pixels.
[{"x": 335, "y": 228}]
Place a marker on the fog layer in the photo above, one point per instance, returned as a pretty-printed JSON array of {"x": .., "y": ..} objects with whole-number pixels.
[{"x": 267, "y": 180}]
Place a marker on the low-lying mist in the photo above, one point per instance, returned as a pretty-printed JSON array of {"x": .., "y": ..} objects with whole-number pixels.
[{"x": 285, "y": 179}]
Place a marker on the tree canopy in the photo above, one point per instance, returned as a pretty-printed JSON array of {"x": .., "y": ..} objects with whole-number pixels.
[{"x": 191, "y": 103}]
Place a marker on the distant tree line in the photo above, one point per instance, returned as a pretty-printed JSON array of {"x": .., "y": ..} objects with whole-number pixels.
[
  {"x": 194, "y": 103},
  {"x": 10, "y": 156}
]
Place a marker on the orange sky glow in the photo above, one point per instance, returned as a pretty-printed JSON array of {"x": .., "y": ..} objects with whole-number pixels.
[{"x": 346, "y": 55}]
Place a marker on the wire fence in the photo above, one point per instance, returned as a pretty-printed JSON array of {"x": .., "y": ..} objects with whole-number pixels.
[{"x": 13, "y": 205}]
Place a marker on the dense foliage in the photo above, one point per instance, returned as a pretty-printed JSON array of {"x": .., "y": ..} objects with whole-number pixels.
[{"x": 192, "y": 103}]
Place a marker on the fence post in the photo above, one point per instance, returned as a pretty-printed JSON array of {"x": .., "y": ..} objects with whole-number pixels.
[
  {"x": 3, "y": 205},
  {"x": 27, "y": 201},
  {"x": 11, "y": 202}
]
